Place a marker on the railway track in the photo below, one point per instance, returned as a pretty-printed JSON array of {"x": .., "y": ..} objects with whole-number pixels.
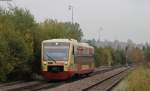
[
  {"x": 11, "y": 83},
  {"x": 43, "y": 85},
  {"x": 30, "y": 86},
  {"x": 91, "y": 83},
  {"x": 108, "y": 83}
]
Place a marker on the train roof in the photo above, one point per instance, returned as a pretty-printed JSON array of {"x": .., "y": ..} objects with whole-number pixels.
[
  {"x": 85, "y": 45},
  {"x": 57, "y": 40},
  {"x": 69, "y": 41}
]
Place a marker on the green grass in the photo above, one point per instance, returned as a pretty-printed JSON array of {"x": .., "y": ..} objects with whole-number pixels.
[{"x": 137, "y": 80}]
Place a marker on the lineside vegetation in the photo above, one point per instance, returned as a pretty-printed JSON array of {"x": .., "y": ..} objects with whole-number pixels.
[{"x": 138, "y": 80}]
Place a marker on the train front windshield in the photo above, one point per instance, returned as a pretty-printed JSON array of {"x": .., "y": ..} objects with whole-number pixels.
[{"x": 55, "y": 51}]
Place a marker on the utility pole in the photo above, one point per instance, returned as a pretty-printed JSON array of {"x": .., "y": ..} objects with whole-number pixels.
[
  {"x": 126, "y": 49},
  {"x": 72, "y": 16},
  {"x": 99, "y": 34}
]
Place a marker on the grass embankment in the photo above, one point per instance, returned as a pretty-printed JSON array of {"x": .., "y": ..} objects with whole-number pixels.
[{"x": 138, "y": 80}]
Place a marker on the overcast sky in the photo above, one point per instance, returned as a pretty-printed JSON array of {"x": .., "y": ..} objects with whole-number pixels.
[{"x": 119, "y": 19}]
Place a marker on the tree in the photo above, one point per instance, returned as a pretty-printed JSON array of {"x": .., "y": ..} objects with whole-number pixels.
[
  {"x": 97, "y": 56},
  {"x": 16, "y": 47},
  {"x": 119, "y": 57},
  {"x": 136, "y": 55},
  {"x": 73, "y": 31},
  {"x": 103, "y": 56},
  {"x": 147, "y": 53},
  {"x": 21, "y": 37}
]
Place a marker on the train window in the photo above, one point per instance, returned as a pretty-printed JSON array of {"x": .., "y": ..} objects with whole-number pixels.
[
  {"x": 73, "y": 50},
  {"x": 56, "y": 51}
]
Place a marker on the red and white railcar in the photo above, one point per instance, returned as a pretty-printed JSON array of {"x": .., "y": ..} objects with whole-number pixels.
[{"x": 64, "y": 58}]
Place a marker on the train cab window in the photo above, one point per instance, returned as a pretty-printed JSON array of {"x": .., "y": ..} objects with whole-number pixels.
[{"x": 56, "y": 51}]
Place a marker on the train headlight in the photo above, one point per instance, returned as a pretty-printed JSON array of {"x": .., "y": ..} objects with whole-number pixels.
[
  {"x": 65, "y": 62},
  {"x": 44, "y": 63}
]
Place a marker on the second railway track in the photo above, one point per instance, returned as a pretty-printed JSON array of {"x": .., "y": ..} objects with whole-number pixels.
[{"x": 30, "y": 86}]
